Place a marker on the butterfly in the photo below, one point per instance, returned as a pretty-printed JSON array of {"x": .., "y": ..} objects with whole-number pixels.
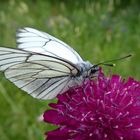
[{"x": 42, "y": 65}]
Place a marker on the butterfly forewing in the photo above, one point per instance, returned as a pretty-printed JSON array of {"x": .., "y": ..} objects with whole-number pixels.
[
  {"x": 40, "y": 75},
  {"x": 40, "y": 42}
]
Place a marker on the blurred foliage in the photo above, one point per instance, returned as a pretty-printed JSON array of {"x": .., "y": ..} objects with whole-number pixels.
[{"x": 98, "y": 30}]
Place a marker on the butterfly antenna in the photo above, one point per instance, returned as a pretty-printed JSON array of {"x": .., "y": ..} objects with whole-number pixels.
[{"x": 107, "y": 63}]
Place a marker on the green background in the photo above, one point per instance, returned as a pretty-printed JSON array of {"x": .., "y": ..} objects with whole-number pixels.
[{"x": 98, "y": 30}]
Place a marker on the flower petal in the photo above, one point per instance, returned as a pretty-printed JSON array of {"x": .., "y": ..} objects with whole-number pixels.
[{"x": 52, "y": 116}]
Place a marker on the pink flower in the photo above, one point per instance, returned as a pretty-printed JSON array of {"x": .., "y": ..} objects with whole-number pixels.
[{"x": 105, "y": 109}]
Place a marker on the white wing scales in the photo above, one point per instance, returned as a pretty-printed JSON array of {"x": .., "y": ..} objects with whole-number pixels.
[
  {"x": 36, "y": 41},
  {"x": 41, "y": 76},
  {"x": 9, "y": 58}
]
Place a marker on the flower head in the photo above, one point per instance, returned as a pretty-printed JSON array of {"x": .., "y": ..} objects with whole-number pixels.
[{"x": 105, "y": 109}]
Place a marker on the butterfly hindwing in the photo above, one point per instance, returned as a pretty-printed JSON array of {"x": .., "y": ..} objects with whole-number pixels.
[{"x": 41, "y": 76}]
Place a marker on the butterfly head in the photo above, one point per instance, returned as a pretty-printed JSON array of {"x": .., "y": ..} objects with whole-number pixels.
[
  {"x": 88, "y": 70},
  {"x": 93, "y": 71}
]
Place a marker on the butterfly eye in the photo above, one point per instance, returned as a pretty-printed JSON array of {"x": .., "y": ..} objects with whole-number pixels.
[{"x": 94, "y": 70}]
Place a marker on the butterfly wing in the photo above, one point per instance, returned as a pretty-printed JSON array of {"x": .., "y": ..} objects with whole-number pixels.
[
  {"x": 37, "y": 41},
  {"x": 41, "y": 76}
]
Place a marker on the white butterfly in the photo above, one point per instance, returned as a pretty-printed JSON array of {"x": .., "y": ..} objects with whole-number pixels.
[{"x": 43, "y": 66}]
